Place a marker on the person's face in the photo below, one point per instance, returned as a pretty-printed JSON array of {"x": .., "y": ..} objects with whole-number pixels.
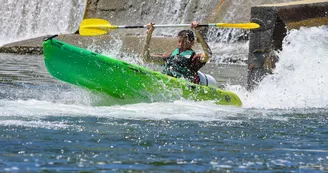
[{"x": 183, "y": 43}]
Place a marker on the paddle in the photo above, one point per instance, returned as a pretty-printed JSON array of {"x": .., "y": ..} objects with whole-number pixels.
[{"x": 93, "y": 27}]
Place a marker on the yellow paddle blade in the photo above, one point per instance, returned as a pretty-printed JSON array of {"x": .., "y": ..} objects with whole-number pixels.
[
  {"x": 93, "y": 27},
  {"x": 239, "y": 25}
]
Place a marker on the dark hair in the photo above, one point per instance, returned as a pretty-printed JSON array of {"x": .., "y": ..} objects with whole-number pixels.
[{"x": 187, "y": 34}]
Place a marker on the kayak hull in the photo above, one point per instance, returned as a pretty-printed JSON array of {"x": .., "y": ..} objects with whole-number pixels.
[{"x": 122, "y": 80}]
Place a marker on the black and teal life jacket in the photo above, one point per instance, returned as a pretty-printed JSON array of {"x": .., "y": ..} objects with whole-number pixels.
[{"x": 179, "y": 65}]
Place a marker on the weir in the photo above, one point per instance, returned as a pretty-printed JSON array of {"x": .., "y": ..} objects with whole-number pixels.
[
  {"x": 35, "y": 18},
  {"x": 275, "y": 19}
]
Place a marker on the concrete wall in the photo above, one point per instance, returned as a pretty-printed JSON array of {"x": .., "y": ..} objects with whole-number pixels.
[
  {"x": 275, "y": 20},
  {"x": 140, "y": 11},
  {"x": 127, "y": 12}
]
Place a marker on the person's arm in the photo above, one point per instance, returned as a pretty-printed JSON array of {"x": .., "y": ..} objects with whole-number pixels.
[
  {"x": 154, "y": 58},
  {"x": 146, "y": 49},
  {"x": 207, "y": 50}
]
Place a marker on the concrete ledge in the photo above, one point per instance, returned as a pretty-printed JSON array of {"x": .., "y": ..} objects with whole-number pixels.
[
  {"x": 30, "y": 46},
  {"x": 34, "y": 45},
  {"x": 301, "y": 13}
]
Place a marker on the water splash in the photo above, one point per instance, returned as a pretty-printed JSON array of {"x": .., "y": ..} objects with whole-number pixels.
[
  {"x": 178, "y": 110},
  {"x": 299, "y": 80}
]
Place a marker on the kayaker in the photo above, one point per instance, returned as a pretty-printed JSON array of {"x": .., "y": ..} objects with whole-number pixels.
[{"x": 183, "y": 62}]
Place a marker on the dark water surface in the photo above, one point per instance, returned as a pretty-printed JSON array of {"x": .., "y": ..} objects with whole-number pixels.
[{"x": 48, "y": 126}]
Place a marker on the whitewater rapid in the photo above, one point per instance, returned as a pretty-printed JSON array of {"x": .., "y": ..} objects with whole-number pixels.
[{"x": 300, "y": 78}]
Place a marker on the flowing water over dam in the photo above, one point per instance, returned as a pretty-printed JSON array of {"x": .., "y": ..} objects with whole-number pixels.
[
  {"x": 32, "y": 18},
  {"x": 48, "y": 125}
]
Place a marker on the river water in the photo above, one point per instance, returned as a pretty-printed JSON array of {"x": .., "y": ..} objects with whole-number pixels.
[{"x": 47, "y": 125}]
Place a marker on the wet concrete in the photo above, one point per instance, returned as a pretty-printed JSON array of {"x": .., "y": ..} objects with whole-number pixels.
[
  {"x": 132, "y": 44},
  {"x": 34, "y": 45}
]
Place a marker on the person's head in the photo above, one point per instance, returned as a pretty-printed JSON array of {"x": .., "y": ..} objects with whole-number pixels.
[{"x": 186, "y": 39}]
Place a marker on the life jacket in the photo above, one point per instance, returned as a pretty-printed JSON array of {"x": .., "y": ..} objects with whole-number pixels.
[{"x": 179, "y": 65}]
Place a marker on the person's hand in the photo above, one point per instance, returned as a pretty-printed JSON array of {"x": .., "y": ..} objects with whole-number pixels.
[
  {"x": 150, "y": 28},
  {"x": 195, "y": 25}
]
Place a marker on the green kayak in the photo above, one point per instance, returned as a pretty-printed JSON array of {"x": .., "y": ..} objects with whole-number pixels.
[{"x": 123, "y": 81}]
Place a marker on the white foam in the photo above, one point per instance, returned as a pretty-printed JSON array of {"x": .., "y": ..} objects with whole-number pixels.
[
  {"x": 178, "y": 110},
  {"x": 300, "y": 79},
  {"x": 32, "y": 18}
]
